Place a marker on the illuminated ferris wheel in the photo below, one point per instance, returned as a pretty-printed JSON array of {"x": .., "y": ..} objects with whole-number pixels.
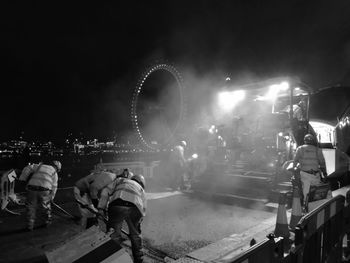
[{"x": 158, "y": 106}]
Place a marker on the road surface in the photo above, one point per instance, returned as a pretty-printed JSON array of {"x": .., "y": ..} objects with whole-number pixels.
[{"x": 176, "y": 223}]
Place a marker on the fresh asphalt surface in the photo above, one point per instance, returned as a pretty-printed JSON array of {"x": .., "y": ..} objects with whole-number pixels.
[{"x": 176, "y": 223}]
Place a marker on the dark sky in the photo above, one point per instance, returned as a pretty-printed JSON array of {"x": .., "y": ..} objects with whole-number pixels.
[{"x": 74, "y": 67}]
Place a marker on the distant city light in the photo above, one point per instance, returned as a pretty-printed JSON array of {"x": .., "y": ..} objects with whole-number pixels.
[{"x": 212, "y": 129}]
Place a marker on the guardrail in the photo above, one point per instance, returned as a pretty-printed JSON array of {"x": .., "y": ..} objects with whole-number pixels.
[
  {"x": 319, "y": 237},
  {"x": 319, "y": 234},
  {"x": 268, "y": 251}
]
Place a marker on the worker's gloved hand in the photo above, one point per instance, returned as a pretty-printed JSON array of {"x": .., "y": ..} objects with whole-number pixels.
[
  {"x": 323, "y": 176},
  {"x": 324, "y": 179}
]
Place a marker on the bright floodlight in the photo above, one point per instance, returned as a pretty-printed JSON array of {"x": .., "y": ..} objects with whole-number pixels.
[
  {"x": 229, "y": 99},
  {"x": 275, "y": 89}
]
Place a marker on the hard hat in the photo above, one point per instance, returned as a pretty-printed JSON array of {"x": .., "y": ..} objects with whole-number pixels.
[
  {"x": 140, "y": 179},
  {"x": 58, "y": 165},
  {"x": 309, "y": 139},
  {"x": 129, "y": 174}
]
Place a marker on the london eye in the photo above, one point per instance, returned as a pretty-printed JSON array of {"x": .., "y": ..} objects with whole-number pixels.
[{"x": 158, "y": 106}]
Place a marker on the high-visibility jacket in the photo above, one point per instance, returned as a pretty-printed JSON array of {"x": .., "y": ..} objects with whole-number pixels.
[
  {"x": 82, "y": 186},
  {"x": 28, "y": 170},
  {"x": 101, "y": 180},
  {"x": 127, "y": 190},
  {"x": 310, "y": 158},
  {"x": 44, "y": 175},
  {"x": 84, "y": 183}
]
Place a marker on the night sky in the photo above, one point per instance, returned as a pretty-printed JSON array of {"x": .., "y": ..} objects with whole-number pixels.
[{"x": 74, "y": 67}]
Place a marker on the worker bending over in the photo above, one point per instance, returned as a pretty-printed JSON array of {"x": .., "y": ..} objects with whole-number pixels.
[
  {"x": 125, "y": 199},
  {"x": 82, "y": 195},
  {"x": 42, "y": 180}
]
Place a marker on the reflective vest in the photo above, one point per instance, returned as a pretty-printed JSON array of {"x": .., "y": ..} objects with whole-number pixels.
[
  {"x": 28, "y": 170},
  {"x": 83, "y": 184},
  {"x": 101, "y": 180},
  {"x": 127, "y": 190},
  {"x": 310, "y": 158},
  {"x": 43, "y": 175}
]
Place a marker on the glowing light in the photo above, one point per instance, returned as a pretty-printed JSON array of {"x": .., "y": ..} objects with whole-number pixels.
[
  {"x": 284, "y": 86},
  {"x": 194, "y": 156},
  {"x": 274, "y": 90},
  {"x": 229, "y": 99},
  {"x": 324, "y": 131},
  {"x": 212, "y": 129},
  {"x": 271, "y": 165}
]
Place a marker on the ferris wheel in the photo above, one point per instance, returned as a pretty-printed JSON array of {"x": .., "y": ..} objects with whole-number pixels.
[{"x": 158, "y": 106}]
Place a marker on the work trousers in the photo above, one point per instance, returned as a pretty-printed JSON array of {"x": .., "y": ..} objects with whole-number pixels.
[
  {"x": 117, "y": 214},
  {"x": 38, "y": 199},
  {"x": 308, "y": 179}
]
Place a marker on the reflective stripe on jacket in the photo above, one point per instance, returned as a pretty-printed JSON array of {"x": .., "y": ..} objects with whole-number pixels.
[
  {"x": 45, "y": 176},
  {"x": 127, "y": 190},
  {"x": 310, "y": 158},
  {"x": 28, "y": 170}
]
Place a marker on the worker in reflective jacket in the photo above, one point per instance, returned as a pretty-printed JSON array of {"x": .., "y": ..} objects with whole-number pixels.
[
  {"x": 82, "y": 195},
  {"x": 178, "y": 166},
  {"x": 41, "y": 189},
  {"x": 311, "y": 163},
  {"x": 102, "y": 179},
  {"x": 125, "y": 199}
]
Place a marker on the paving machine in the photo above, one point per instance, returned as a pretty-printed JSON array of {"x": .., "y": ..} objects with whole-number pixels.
[{"x": 252, "y": 141}]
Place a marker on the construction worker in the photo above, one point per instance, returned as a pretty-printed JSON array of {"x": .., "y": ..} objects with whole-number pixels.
[
  {"x": 41, "y": 188},
  {"x": 125, "y": 199},
  {"x": 101, "y": 180},
  {"x": 177, "y": 167},
  {"x": 82, "y": 195},
  {"x": 311, "y": 163}
]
